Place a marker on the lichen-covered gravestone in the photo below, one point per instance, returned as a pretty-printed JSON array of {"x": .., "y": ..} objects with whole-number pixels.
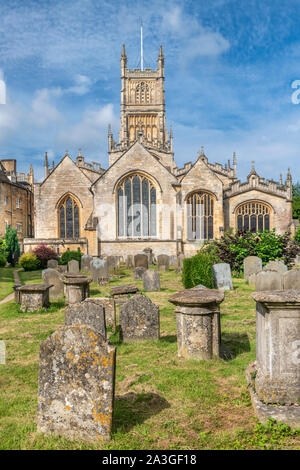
[
  {"x": 86, "y": 263},
  {"x": 139, "y": 319},
  {"x": 86, "y": 313},
  {"x": 276, "y": 265},
  {"x": 130, "y": 262},
  {"x": 252, "y": 265},
  {"x": 76, "y": 384},
  {"x": 222, "y": 276},
  {"x": 73, "y": 266},
  {"x": 268, "y": 280},
  {"x": 99, "y": 270},
  {"x": 52, "y": 263},
  {"x": 51, "y": 277},
  {"x": 151, "y": 280},
  {"x": 138, "y": 273},
  {"x": 109, "y": 306}
]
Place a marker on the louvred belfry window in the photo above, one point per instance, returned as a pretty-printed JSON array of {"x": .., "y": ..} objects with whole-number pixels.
[
  {"x": 200, "y": 215},
  {"x": 253, "y": 216},
  {"x": 68, "y": 214},
  {"x": 136, "y": 206}
]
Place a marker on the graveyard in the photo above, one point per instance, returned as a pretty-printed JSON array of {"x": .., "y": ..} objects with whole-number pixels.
[{"x": 162, "y": 400}]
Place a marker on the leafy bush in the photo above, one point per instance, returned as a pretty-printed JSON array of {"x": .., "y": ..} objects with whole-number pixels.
[
  {"x": 69, "y": 255},
  {"x": 29, "y": 262},
  {"x": 268, "y": 245},
  {"x": 2, "y": 260},
  {"x": 198, "y": 269},
  {"x": 44, "y": 253},
  {"x": 12, "y": 245},
  {"x": 3, "y": 248}
]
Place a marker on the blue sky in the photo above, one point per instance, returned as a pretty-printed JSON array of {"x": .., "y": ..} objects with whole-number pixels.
[{"x": 229, "y": 70}]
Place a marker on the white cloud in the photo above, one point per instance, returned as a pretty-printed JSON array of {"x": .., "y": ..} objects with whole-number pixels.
[
  {"x": 81, "y": 87},
  {"x": 43, "y": 111}
]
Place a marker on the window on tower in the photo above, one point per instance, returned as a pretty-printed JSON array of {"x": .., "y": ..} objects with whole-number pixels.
[{"x": 142, "y": 93}]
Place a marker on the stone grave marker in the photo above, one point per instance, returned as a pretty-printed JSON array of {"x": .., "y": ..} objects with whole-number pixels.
[
  {"x": 138, "y": 273},
  {"x": 252, "y": 265},
  {"x": 139, "y": 319},
  {"x": 76, "y": 384},
  {"x": 51, "y": 277},
  {"x": 163, "y": 262},
  {"x": 86, "y": 313},
  {"x": 141, "y": 260},
  {"x": 222, "y": 276},
  {"x": 268, "y": 280},
  {"x": 99, "y": 270},
  {"x": 277, "y": 266},
  {"x": 73, "y": 266},
  {"x": 151, "y": 280},
  {"x": 291, "y": 279},
  {"x": 86, "y": 263},
  {"x": 52, "y": 263},
  {"x": 109, "y": 306}
]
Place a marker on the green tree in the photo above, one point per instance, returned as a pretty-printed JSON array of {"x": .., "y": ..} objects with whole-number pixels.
[
  {"x": 12, "y": 245},
  {"x": 296, "y": 201}
]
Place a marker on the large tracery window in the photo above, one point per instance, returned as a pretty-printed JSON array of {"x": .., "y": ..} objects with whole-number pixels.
[
  {"x": 200, "y": 212},
  {"x": 136, "y": 207},
  {"x": 142, "y": 93},
  {"x": 253, "y": 216},
  {"x": 68, "y": 215}
]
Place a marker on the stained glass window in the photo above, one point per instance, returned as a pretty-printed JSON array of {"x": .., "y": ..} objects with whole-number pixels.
[
  {"x": 68, "y": 213},
  {"x": 136, "y": 207},
  {"x": 200, "y": 216},
  {"x": 253, "y": 216}
]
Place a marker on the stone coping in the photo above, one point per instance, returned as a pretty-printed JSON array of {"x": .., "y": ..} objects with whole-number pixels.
[
  {"x": 126, "y": 289},
  {"x": 78, "y": 280},
  {"x": 34, "y": 288},
  {"x": 194, "y": 297},
  {"x": 277, "y": 296},
  {"x": 74, "y": 275}
]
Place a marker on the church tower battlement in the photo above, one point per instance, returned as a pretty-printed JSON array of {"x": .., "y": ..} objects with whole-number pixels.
[{"x": 143, "y": 112}]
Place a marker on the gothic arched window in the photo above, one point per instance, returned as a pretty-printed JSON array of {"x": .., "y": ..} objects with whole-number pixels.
[
  {"x": 142, "y": 93},
  {"x": 68, "y": 218},
  {"x": 136, "y": 207},
  {"x": 200, "y": 216},
  {"x": 253, "y": 216}
]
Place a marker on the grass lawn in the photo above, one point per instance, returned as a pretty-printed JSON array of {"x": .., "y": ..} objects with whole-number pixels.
[
  {"x": 161, "y": 401},
  {"x": 6, "y": 282}
]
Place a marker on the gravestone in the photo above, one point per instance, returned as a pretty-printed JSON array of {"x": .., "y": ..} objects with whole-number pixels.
[
  {"x": 122, "y": 293},
  {"x": 99, "y": 270},
  {"x": 291, "y": 279},
  {"x": 76, "y": 384},
  {"x": 86, "y": 313},
  {"x": 179, "y": 264},
  {"x": 86, "y": 263},
  {"x": 173, "y": 260},
  {"x": 51, "y": 277},
  {"x": 268, "y": 280},
  {"x": 163, "y": 262},
  {"x": 139, "y": 319},
  {"x": 52, "y": 263},
  {"x": 297, "y": 260},
  {"x": 252, "y": 265},
  {"x": 222, "y": 276},
  {"x": 33, "y": 297},
  {"x": 113, "y": 262},
  {"x": 151, "y": 280},
  {"x": 109, "y": 306},
  {"x": 130, "y": 262},
  {"x": 138, "y": 273},
  {"x": 62, "y": 268},
  {"x": 252, "y": 280},
  {"x": 149, "y": 253},
  {"x": 73, "y": 266},
  {"x": 277, "y": 266},
  {"x": 141, "y": 260},
  {"x": 76, "y": 288}
]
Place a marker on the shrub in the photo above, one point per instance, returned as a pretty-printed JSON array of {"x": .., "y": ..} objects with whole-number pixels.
[
  {"x": 29, "y": 262},
  {"x": 69, "y": 255},
  {"x": 198, "y": 269},
  {"x": 3, "y": 248},
  {"x": 44, "y": 253},
  {"x": 12, "y": 245},
  {"x": 2, "y": 260}
]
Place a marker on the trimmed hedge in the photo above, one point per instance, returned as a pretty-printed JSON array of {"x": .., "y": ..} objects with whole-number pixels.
[
  {"x": 198, "y": 270},
  {"x": 69, "y": 255}
]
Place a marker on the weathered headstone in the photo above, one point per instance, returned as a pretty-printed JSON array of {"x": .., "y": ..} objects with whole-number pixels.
[
  {"x": 291, "y": 279},
  {"x": 51, "y": 277},
  {"x": 99, "y": 270},
  {"x": 76, "y": 384},
  {"x": 163, "y": 262},
  {"x": 149, "y": 253},
  {"x": 86, "y": 263},
  {"x": 222, "y": 276},
  {"x": 297, "y": 260},
  {"x": 129, "y": 262},
  {"x": 73, "y": 266},
  {"x": 52, "y": 263},
  {"x": 268, "y": 280},
  {"x": 86, "y": 313},
  {"x": 252, "y": 280},
  {"x": 109, "y": 306},
  {"x": 139, "y": 319},
  {"x": 151, "y": 280},
  {"x": 173, "y": 260},
  {"x": 179, "y": 264},
  {"x": 122, "y": 293},
  {"x": 62, "y": 268},
  {"x": 113, "y": 262},
  {"x": 76, "y": 288},
  {"x": 252, "y": 265},
  {"x": 138, "y": 273},
  {"x": 141, "y": 260},
  {"x": 198, "y": 322},
  {"x": 277, "y": 266}
]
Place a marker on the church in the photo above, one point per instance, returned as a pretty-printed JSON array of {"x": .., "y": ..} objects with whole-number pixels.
[{"x": 143, "y": 200}]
